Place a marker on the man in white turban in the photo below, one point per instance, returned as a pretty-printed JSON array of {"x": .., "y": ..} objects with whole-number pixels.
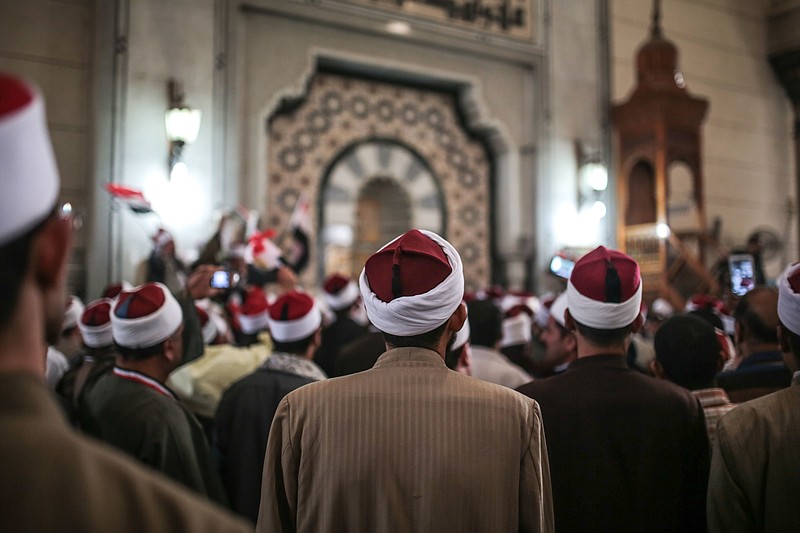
[
  {"x": 408, "y": 445},
  {"x": 629, "y": 453},
  {"x": 51, "y": 478}
]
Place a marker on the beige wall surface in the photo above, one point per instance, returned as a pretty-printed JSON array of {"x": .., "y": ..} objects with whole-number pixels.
[
  {"x": 748, "y": 161},
  {"x": 49, "y": 43},
  {"x": 578, "y": 103},
  {"x": 167, "y": 40},
  {"x": 748, "y": 166},
  {"x": 104, "y": 68},
  {"x": 541, "y": 104}
]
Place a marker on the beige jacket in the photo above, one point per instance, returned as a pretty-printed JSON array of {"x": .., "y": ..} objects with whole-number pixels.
[{"x": 406, "y": 446}]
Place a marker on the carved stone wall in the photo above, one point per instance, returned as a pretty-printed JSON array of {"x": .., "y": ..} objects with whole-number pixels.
[{"x": 338, "y": 112}]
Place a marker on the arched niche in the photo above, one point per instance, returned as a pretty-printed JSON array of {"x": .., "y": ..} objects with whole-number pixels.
[
  {"x": 374, "y": 191},
  {"x": 641, "y": 204},
  {"x": 384, "y": 212},
  {"x": 342, "y": 131}
]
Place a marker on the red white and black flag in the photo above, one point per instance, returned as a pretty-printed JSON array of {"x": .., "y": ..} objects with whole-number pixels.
[
  {"x": 132, "y": 198},
  {"x": 300, "y": 231}
]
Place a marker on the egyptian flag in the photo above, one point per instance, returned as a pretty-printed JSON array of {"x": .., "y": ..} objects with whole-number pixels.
[
  {"x": 130, "y": 197},
  {"x": 300, "y": 231},
  {"x": 262, "y": 252}
]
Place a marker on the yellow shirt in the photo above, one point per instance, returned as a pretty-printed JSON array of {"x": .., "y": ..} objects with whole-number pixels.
[{"x": 200, "y": 383}]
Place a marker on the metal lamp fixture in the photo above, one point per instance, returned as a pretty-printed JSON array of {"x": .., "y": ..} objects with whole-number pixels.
[
  {"x": 592, "y": 183},
  {"x": 182, "y": 122},
  {"x": 592, "y": 180}
]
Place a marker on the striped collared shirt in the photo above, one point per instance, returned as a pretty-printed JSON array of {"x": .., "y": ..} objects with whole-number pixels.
[{"x": 715, "y": 403}]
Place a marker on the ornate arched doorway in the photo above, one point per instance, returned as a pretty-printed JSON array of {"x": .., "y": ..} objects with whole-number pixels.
[
  {"x": 347, "y": 131},
  {"x": 374, "y": 191}
]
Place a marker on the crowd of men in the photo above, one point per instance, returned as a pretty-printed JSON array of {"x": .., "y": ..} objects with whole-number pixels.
[{"x": 391, "y": 402}]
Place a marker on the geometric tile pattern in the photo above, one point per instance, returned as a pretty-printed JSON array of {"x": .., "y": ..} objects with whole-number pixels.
[{"x": 339, "y": 112}]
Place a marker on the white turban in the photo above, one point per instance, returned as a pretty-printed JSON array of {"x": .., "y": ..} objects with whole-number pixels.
[
  {"x": 28, "y": 168},
  {"x": 789, "y": 300},
  {"x": 407, "y": 316}
]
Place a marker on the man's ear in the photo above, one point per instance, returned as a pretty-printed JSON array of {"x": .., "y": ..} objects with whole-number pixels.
[
  {"x": 50, "y": 254},
  {"x": 569, "y": 322},
  {"x": 317, "y": 342},
  {"x": 786, "y": 348},
  {"x": 571, "y": 342},
  {"x": 783, "y": 339},
  {"x": 738, "y": 333},
  {"x": 171, "y": 352},
  {"x": 657, "y": 369},
  {"x": 457, "y": 319},
  {"x": 638, "y": 324}
]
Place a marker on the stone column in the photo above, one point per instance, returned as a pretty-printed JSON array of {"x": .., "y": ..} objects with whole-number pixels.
[
  {"x": 784, "y": 56},
  {"x": 787, "y": 67}
]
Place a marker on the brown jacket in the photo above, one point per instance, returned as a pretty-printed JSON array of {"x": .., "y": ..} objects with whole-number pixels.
[
  {"x": 755, "y": 469},
  {"x": 406, "y": 446},
  {"x": 628, "y": 452},
  {"x": 52, "y": 479}
]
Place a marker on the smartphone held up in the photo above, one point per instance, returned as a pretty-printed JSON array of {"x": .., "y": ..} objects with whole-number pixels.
[
  {"x": 224, "y": 279},
  {"x": 742, "y": 273}
]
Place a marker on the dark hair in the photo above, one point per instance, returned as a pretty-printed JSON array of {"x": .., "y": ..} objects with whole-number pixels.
[
  {"x": 709, "y": 316},
  {"x": 428, "y": 340},
  {"x": 14, "y": 261},
  {"x": 343, "y": 312},
  {"x": 760, "y": 322},
  {"x": 244, "y": 339},
  {"x": 452, "y": 356},
  {"x": 688, "y": 350},
  {"x": 603, "y": 338},
  {"x": 110, "y": 350},
  {"x": 794, "y": 343},
  {"x": 515, "y": 351},
  {"x": 295, "y": 347},
  {"x": 485, "y": 323},
  {"x": 140, "y": 354}
]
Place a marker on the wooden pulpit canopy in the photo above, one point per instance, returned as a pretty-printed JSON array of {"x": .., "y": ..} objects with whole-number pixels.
[{"x": 656, "y": 129}]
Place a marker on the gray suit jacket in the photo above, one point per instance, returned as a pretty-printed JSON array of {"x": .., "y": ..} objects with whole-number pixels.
[
  {"x": 755, "y": 469},
  {"x": 408, "y": 445}
]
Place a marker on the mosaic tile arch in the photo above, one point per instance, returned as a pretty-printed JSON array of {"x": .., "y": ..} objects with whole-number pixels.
[
  {"x": 371, "y": 159},
  {"x": 411, "y": 135}
]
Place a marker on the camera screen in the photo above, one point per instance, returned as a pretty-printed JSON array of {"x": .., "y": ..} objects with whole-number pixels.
[
  {"x": 742, "y": 275},
  {"x": 561, "y": 266},
  {"x": 221, "y": 280}
]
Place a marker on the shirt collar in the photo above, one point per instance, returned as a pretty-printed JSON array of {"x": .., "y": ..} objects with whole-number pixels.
[
  {"x": 711, "y": 397},
  {"x": 599, "y": 360},
  {"x": 410, "y": 356},
  {"x": 759, "y": 358},
  {"x": 147, "y": 381},
  {"x": 295, "y": 365}
]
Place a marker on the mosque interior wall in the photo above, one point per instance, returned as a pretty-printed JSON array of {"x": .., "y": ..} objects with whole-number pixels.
[
  {"x": 104, "y": 77},
  {"x": 60, "y": 64},
  {"x": 500, "y": 94},
  {"x": 748, "y": 168}
]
